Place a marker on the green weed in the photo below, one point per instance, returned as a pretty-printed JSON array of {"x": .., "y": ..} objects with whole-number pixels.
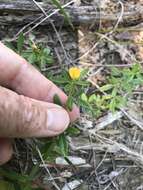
[
  {"x": 35, "y": 53},
  {"x": 111, "y": 96},
  {"x": 64, "y": 13},
  {"x": 115, "y": 93}
]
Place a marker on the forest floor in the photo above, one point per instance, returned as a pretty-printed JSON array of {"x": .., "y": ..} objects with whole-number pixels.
[{"x": 107, "y": 152}]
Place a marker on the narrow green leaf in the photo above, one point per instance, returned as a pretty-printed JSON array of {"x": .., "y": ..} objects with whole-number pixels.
[
  {"x": 84, "y": 97},
  {"x": 67, "y": 87},
  {"x": 115, "y": 71},
  {"x": 34, "y": 172},
  {"x": 72, "y": 131},
  {"x": 114, "y": 92},
  {"x": 32, "y": 58},
  {"x": 107, "y": 97},
  {"x": 136, "y": 68},
  {"x": 63, "y": 144},
  {"x": 106, "y": 87},
  {"x": 82, "y": 83},
  {"x": 83, "y": 73},
  {"x": 11, "y": 175},
  {"x": 112, "y": 105},
  {"x": 69, "y": 104},
  {"x": 10, "y": 45},
  {"x": 46, "y": 51},
  {"x": 20, "y": 43},
  {"x": 65, "y": 14},
  {"x": 92, "y": 98},
  {"x": 57, "y": 100}
]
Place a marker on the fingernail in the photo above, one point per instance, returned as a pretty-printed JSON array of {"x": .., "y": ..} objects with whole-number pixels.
[{"x": 58, "y": 120}]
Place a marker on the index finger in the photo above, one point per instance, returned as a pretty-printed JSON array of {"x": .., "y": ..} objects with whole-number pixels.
[{"x": 16, "y": 73}]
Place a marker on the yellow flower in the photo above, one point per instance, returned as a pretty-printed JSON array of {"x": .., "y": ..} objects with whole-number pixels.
[
  {"x": 34, "y": 47},
  {"x": 74, "y": 73}
]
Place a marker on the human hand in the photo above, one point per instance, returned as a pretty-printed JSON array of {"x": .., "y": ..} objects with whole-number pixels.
[{"x": 27, "y": 109}]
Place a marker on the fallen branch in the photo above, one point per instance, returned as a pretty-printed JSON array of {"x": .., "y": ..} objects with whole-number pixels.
[{"x": 23, "y": 12}]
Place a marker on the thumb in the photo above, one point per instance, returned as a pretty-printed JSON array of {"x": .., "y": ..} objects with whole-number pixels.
[{"x": 21, "y": 116}]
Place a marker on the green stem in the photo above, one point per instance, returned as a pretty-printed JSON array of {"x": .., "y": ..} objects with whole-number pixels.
[
  {"x": 72, "y": 89},
  {"x": 69, "y": 102}
]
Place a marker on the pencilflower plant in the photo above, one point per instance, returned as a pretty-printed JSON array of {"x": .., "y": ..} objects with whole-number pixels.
[
  {"x": 73, "y": 82},
  {"x": 112, "y": 95}
]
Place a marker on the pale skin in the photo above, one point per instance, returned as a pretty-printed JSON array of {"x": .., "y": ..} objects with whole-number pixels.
[{"x": 26, "y": 108}]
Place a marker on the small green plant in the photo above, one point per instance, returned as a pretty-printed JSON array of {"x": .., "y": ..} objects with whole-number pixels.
[
  {"x": 111, "y": 96},
  {"x": 51, "y": 148},
  {"x": 15, "y": 181},
  {"x": 36, "y": 54},
  {"x": 73, "y": 83},
  {"x": 115, "y": 93},
  {"x": 57, "y": 3}
]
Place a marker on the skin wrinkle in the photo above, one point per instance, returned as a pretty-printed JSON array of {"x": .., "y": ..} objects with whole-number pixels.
[
  {"x": 6, "y": 120},
  {"x": 36, "y": 122},
  {"x": 18, "y": 83},
  {"x": 2, "y": 110},
  {"x": 15, "y": 122},
  {"x": 24, "y": 103},
  {"x": 8, "y": 74},
  {"x": 17, "y": 72},
  {"x": 47, "y": 96}
]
